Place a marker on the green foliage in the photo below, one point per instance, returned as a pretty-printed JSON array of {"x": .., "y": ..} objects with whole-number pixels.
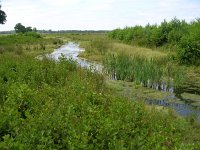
[
  {"x": 33, "y": 34},
  {"x": 17, "y": 39},
  {"x": 56, "y": 105},
  {"x": 189, "y": 47},
  {"x": 184, "y": 37},
  {"x": 30, "y": 43},
  {"x": 98, "y": 46},
  {"x": 17, "y": 43},
  {"x": 19, "y": 28},
  {"x": 142, "y": 70},
  {"x": 152, "y": 35},
  {"x": 2, "y": 16}
]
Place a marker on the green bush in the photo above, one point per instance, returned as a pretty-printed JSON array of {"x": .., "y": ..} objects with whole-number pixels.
[
  {"x": 33, "y": 34},
  {"x": 183, "y": 37},
  {"x": 57, "y": 105},
  {"x": 189, "y": 46}
]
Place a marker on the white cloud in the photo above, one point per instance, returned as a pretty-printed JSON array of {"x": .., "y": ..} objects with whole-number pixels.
[{"x": 95, "y": 14}]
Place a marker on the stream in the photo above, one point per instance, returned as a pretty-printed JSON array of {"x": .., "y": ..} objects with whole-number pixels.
[
  {"x": 181, "y": 104},
  {"x": 71, "y": 50}
]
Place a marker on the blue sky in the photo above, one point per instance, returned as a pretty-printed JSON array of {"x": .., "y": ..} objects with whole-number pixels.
[{"x": 95, "y": 14}]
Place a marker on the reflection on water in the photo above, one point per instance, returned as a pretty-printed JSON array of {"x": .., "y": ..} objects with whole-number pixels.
[{"x": 181, "y": 108}]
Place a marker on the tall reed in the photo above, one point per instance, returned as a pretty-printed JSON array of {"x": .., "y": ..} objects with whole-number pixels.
[{"x": 141, "y": 70}]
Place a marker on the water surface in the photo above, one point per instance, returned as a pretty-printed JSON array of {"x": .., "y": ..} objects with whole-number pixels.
[{"x": 71, "y": 50}]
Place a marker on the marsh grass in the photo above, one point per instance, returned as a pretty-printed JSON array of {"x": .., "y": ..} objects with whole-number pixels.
[
  {"x": 136, "y": 50},
  {"x": 30, "y": 44},
  {"x": 98, "y": 47},
  {"x": 141, "y": 70}
]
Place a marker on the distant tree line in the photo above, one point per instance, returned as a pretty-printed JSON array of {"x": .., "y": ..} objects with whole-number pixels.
[
  {"x": 183, "y": 37},
  {"x": 74, "y": 31},
  {"x": 7, "y": 32}
]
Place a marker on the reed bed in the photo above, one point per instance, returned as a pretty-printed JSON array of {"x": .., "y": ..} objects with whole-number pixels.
[{"x": 156, "y": 72}]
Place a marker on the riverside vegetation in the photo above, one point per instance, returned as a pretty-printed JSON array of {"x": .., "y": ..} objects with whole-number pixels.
[
  {"x": 152, "y": 55},
  {"x": 58, "y": 105},
  {"x": 176, "y": 35}
]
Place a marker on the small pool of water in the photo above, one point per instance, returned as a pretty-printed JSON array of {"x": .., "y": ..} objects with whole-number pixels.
[{"x": 180, "y": 107}]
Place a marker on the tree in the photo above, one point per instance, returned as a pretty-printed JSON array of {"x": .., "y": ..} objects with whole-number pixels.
[
  {"x": 19, "y": 28},
  {"x": 2, "y": 16},
  {"x": 34, "y": 29},
  {"x": 29, "y": 29}
]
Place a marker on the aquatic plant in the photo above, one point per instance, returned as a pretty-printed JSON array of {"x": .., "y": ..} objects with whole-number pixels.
[{"x": 149, "y": 72}]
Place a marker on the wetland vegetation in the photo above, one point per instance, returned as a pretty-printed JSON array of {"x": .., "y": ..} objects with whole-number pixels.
[{"x": 47, "y": 104}]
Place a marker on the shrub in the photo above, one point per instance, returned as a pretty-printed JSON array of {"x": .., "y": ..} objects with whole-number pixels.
[
  {"x": 182, "y": 36},
  {"x": 189, "y": 46},
  {"x": 56, "y": 105},
  {"x": 33, "y": 34}
]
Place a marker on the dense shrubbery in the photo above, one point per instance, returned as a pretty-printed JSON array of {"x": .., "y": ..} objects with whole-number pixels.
[
  {"x": 189, "y": 45},
  {"x": 56, "y": 105},
  {"x": 179, "y": 34}
]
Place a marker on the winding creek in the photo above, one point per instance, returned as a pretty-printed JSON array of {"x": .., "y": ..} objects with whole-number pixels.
[
  {"x": 71, "y": 50},
  {"x": 181, "y": 104}
]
